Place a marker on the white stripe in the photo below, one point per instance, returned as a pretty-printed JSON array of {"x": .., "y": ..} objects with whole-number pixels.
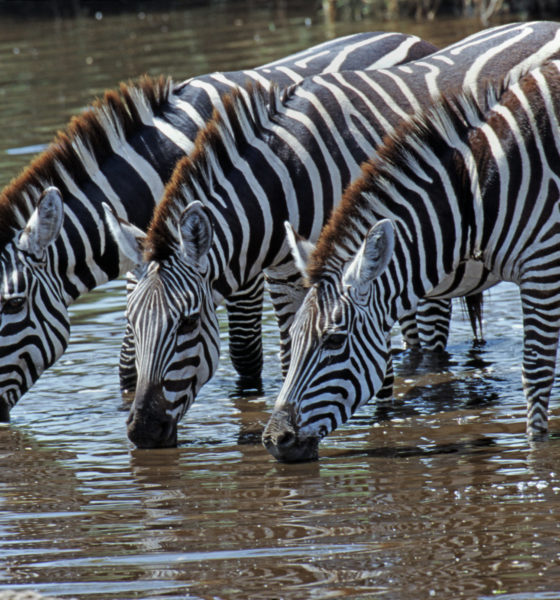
[
  {"x": 173, "y": 134},
  {"x": 189, "y": 110}
]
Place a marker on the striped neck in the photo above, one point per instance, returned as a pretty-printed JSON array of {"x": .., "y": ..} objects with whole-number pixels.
[{"x": 105, "y": 155}]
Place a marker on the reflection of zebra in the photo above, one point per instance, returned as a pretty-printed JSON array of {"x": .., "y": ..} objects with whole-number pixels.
[
  {"x": 465, "y": 196},
  {"x": 121, "y": 151},
  {"x": 256, "y": 166}
]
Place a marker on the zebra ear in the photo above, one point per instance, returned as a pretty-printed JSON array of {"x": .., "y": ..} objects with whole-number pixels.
[
  {"x": 300, "y": 247},
  {"x": 372, "y": 257},
  {"x": 196, "y": 233},
  {"x": 44, "y": 225},
  {"x": 129, "y": 238}
]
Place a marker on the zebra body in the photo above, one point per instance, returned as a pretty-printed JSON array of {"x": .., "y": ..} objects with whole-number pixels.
[
  {"x": 463, "y": 197},
  {"x": 121, "y": 151},
  {"x": 264, "y": 160}
]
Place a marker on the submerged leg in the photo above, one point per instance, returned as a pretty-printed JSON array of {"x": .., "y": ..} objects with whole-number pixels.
[
  {"x": 244, "y": 310},
  {"x": 541, "y": 326}
]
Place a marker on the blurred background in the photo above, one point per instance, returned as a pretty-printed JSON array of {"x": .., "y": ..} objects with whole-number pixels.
[{"x": 331, "y": 9}]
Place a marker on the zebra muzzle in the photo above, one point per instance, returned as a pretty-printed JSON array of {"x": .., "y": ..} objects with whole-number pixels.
[
  {"x": 282, "y": 439},
  {"x": 148, "y": 424}
]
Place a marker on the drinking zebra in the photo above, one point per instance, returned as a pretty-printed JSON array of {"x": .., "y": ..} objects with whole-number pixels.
[
  {"x": 265, "y": 159},
  {"x": 54, "y": 245},
  {"x": 464, "y": 196}
]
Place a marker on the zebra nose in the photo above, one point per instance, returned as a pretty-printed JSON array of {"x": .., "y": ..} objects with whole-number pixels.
[
  {"x": 282, "y": 440},
  {"x": 286, "y": 440},
  {"x": 148, "y": 424}
]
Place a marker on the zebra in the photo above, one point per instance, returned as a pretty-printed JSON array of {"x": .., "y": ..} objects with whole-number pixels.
[
  {"x": 463, "y": 196},
  {"x": 54, "y": 243},
  {"x": 267, "y": 158}
]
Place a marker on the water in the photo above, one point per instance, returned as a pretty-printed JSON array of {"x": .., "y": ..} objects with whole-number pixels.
[{"x": 439, "y": 495}]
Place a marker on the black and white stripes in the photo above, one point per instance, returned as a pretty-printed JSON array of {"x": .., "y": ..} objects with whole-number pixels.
[
  {"x": 268, "y": 158},
  {"x": 464, "y": 196},
  {"x": 121, "y": 152}
]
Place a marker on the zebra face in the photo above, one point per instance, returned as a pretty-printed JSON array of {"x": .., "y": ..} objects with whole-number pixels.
[
  {"x": 339, "y": 352},
  {"x": 177, "y": 339},
  {"x": 34, "y": 320},
  {"x": 174, "y": 326}
]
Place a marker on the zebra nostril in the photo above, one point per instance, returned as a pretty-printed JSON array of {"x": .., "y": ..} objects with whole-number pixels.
[{"x": 286, "y": 439}]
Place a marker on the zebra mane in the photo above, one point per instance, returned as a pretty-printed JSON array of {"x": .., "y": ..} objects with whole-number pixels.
[
  {"x": 247, "y": 112},
  {"x": 449, "y": 122},
  {"x": 85, "y": 142}
]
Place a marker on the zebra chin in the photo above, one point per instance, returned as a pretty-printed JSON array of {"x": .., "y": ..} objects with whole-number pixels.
[
  {"x": 282, "y": 439},
  {"x": 148, "y": 424}
]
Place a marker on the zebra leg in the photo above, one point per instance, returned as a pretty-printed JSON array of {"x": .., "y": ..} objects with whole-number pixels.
[
  {"x": 386, "y": 391},
  {"x": 244, "y": 309},
  {"x": 433, "y": 316},
  {"x": 409, "y": 330},
  {"x": 287, "y": 291},
  {"x": 541, "y": 326},
  {"x": 474, "y": 304}
]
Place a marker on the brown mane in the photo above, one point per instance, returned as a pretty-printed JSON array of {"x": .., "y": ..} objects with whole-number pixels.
[
  {"x": 352, "y": 210},
  {"x": 367, "y": 195},
  {"x": 118, "y": 107},
  {"x": 245, "y": 111},
  {"x": 446, "y": 119}
]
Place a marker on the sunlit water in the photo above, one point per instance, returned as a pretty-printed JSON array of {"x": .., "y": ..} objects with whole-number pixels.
[{"x": 438, "y": 495}]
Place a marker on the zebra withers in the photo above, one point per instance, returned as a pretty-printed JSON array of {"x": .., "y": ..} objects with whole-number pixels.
[
  {"x": 266, "y": 158},
  {"x": 464, "y": 196},
  {"x": 122, "y": 151}
]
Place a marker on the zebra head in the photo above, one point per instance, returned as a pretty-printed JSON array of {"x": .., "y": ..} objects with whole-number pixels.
[
  {"x": 339, "y": 348},
  {"x": 34, "y": 320},
  {"x": 174, "y": 325}
]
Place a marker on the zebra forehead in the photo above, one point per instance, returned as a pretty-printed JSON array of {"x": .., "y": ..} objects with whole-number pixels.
[
  {"x": 162, "y": 285},
  {"x": 323, "y": 306}
]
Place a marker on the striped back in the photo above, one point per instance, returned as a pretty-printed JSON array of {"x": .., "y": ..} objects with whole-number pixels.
[
  {"x": 121, "y": 152},
  {"x": 463, "y": 196},
  {"x": 268, "y": 158}
]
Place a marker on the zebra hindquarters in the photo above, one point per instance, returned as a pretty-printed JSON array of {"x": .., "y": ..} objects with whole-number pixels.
[
  {"x": 244, "y": 309},
  {"x": 541, "y": 328}
]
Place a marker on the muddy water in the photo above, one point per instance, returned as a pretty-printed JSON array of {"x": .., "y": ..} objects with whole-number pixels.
[{"x": 438, "y": 495}]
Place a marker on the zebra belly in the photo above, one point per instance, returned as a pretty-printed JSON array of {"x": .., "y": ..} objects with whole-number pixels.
[{"x": 470, "y": 277}]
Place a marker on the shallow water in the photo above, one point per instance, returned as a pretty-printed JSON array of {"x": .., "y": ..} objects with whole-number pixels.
[{"x": 437, "y": 495}]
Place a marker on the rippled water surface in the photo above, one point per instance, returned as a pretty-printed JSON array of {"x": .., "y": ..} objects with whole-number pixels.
[{"x": 439, "y": 495}]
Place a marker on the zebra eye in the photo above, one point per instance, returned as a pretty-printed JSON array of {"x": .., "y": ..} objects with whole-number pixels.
[
  {"x": 13, "y": 305},
  {"x": 188, "y": 324},
  {"x": 333, "y": 341}
]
